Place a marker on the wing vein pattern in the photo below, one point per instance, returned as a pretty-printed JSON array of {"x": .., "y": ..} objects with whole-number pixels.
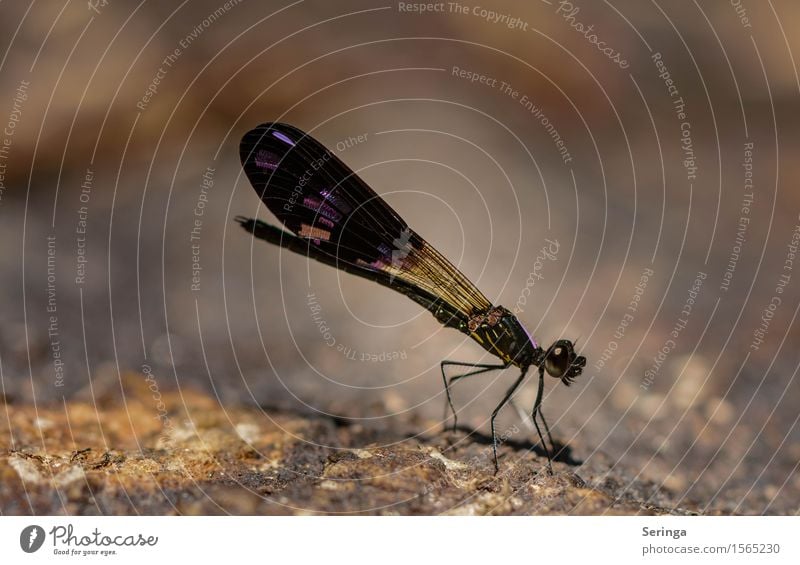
[{"x": 337, "y": 219}]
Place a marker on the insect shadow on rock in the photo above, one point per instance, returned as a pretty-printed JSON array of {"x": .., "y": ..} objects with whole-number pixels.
[{"x": 334, "y": 217}]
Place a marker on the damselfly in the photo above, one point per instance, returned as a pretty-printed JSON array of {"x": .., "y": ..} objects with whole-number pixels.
[{"x": 335, "y": 218}]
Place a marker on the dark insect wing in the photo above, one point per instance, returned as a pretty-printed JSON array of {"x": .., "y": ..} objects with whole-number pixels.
[
  {"x": 341, "y": 221},
  {"x": 443, "y": 311},
  {"x": 312, "y": 192}
]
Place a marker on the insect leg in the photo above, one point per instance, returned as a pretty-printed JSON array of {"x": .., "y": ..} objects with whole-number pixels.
[
  {"x": 511, "y": 390},
  {"x": 537, "y": 410},
  {"x": 479, "y": 368},
  {"x": 547, "y": 431}
]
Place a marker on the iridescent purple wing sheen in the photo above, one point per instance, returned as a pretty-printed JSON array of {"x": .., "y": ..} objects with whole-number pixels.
[
  {"x": 319, "y": 199},
  {"x": 443, "y": 312}
]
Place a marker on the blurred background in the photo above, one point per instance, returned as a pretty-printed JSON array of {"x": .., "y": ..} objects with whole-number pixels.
[{"x": 648, "y": 147}]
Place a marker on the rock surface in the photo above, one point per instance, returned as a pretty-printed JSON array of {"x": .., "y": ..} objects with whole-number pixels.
[{"x": 183, "y": 453}]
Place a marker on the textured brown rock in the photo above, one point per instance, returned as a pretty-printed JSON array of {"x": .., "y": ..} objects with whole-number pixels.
[{"x": 192, "y": 456}]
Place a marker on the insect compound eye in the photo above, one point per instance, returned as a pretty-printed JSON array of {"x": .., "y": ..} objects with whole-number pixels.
[
  {"x": 557, "y": 360},
  {"x": 561, "y": 362}
]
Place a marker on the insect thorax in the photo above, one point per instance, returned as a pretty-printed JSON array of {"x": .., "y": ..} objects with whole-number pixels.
[{"x": 500, "y": 333}]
